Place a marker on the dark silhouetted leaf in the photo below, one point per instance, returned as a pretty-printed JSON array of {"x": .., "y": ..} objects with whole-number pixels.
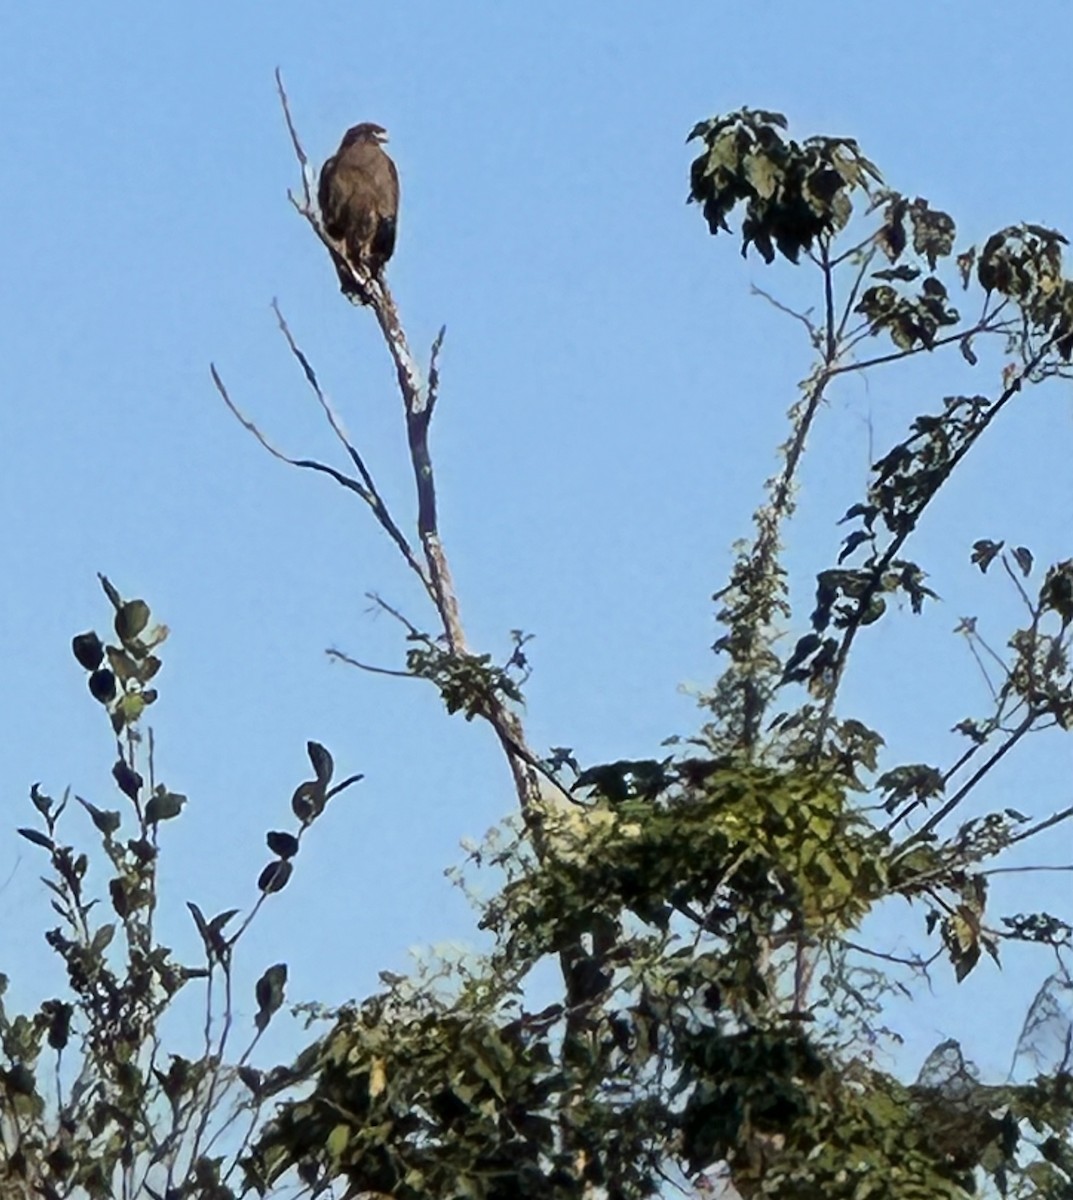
[
  {"x": 102, "y": 939},
  {"x": 131, "y": 619},
  {"x": 251, "y": 1077},
  {"x": 107, "y": 822},
  {"x": 323, "y": 766},
  {"x": 211, "y": 931},
  {"x": 1056, "y": 594},
  {"x": 142, "y": 849},
  {"x": 163, "y": 806},
  {"x": 110, "y": 592},
  {"x": 199, "y": 920},
  {"x": 19, "y": 1080},
  {"x": 274, "y": 877},
  {"x": 1024, "y": 559},
  {"x": 283, "y": 844},
  {"x": 102, "y": 686},
  {"x": 129, "y": 781},
  {"x": 88, "y": 650},
  {"x": 269, "y": 993},
  {"x": 216, "y": 925},
  {"x": 905, "y": 273},
  {"x": 120, "y": 898},
  {"x": 984, "y": 551},
  {"x": 38, "y": 838},
  {"x": 40, "y": 801},
  {"x": 59, "y": 1022},
  {"x": 124, "y": 667},
  {"x": 308, "y": 801}
]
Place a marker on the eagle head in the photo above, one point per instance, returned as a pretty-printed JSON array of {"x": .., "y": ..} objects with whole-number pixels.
[{"x": 367, "y": 131}]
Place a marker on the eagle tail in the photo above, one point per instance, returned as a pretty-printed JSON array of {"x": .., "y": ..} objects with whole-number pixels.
[{"x": 383, "y": 243}]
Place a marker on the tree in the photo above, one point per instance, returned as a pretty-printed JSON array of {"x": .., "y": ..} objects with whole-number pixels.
[{"x": 716, "y": 1023}]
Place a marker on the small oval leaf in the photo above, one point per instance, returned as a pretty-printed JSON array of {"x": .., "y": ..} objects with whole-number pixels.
[
  {"x": 131, "y": 619},
  {"x": 88, "y": 650},
  {"x": 308, "y": 801},
  {"x": 269, "y": 993},
  {"x": 38, "y": 838},
  {"x": 274, "y": 877},
  {"x": 129, "y": 781},
  {"x": 107, "y": 822},
  {"x": 283, "y": 844},
  {"x": 163, "y": 806},
  {"x": 102, "y": 686},
  {"x": 323, "y": 765}
]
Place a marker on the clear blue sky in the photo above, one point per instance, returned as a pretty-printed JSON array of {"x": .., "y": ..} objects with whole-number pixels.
[{"x": 610, "y": 406}]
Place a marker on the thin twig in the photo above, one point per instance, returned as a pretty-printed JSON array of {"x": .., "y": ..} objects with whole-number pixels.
[
  {"x": 917, "y": 963},
  {"x": 831, "y": 338},
  {"x": 434, "y": 369},
  {"x": 814, "y": 334},
  {"x": 339, "y": 656},
  {"x": 847, "y": 311},
  {"x": 410, "y": 627},
  {"x": 1064, "y": 815},
  {"x": 300, "y": 154},
  {"x": 366, "y": 489},
  {"x": 898, "y": 355},
  {"x": 1025, "y": 870},
  {"x": 970, "y": 783},
  {"x": 371, "y": 495}
]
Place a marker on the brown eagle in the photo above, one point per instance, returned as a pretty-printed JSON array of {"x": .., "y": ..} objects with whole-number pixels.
[{"x": 359, "y": 202}]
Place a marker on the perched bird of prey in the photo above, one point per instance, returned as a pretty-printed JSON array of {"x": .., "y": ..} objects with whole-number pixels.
[{"x": 359, "y": 202}]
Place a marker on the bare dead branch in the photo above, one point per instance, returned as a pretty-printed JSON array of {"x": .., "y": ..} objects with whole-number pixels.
[
  {"x": 434, "y": 370},
  {"x": 300, "y": 154},
  {"x": 814, "y": 334},
  {"x": 379, "y": 602},
  {"x": 339, "y": 656},
  {"x": 372, "y": 495},
  {"x": 1055, "y": 819},
  {"x": 418, "y": 402},
  {"x": 1026, "y": 870},
  {"x": 353, "y": 485}
]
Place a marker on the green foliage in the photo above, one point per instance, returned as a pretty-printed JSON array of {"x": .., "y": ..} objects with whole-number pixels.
[
  {"x": 715, "y": 1014},
  {"x": 92, "y": 1103},
  {"x": 793, "y": 193},
  {"x": 715, "y": 1019}
]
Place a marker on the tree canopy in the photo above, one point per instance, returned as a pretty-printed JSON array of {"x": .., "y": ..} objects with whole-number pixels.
[{"x": 671, "y": 990}]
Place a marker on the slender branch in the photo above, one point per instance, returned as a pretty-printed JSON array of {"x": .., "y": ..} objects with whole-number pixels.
[
  {"x": 366, "y": 488},
  {"x": 855, "y": 288},
  {"x": 971, "y": 782},
  {"x": 919, "y": 964},
  {"x": 831, "y": 334},
  {"x": 299, "y": 153},
  {"x": 434, "y": 369},
  {"x": 1020, "y": 588},
  {"x": 1055, "y": 819},
  {"x": 898, "y": 355},
  {"x": 814, "y": 334},
  {"x": 862, "y": 245},
  {"x": 892, "y": 551},
  {"x": 339, "y": 656},
  {"x": 1025, "y": 870}
]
